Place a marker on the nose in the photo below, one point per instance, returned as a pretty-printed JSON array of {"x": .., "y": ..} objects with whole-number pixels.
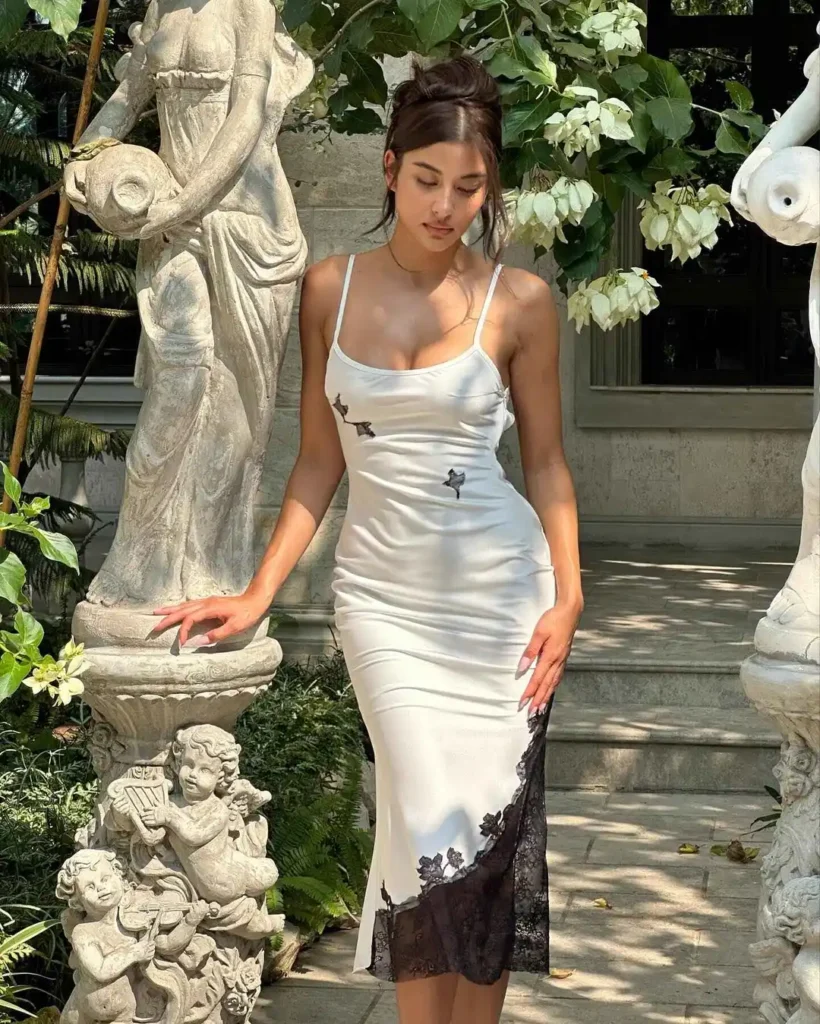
[{"x": 443, "y": 204}]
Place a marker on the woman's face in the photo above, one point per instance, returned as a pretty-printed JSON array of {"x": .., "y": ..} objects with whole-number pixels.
[{"x": 439, "y": 190}]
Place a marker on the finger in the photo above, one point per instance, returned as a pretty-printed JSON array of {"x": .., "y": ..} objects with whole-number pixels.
[
  {"x": 173, "y": 617},
  {"x": 188, "y": 622},
  {"x": 173, "y": 607},
  {"x": 531, "y": 651},
  {"x": 227, "y": 629},
  {"x": 548, "y": 687},
  {"x": 546, "y": 664}
]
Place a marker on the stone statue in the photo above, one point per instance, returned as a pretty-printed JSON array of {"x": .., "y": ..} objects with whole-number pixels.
[
  {"x": 778, "y": 187},
  {"x": 221, "y": 256},
  {"x": 167, "y": 895},
  {"x": 169, "y": 930}
]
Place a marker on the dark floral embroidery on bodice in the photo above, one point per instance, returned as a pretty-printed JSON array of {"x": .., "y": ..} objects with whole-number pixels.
[
  {"x": 455, "y": 480},
  {"x": 362, "y": 426},
  {"x": 485, "y": 917}
]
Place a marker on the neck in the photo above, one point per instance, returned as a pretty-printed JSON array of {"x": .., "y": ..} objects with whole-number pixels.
[{"x": 426, "y": 265}]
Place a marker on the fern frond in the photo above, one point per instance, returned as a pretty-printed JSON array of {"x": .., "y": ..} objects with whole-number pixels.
[
  {"x": 59, "y": 437},
  {"x": 27, "y": 254},
  {"x": 101, "y": 245},
  {"x": 40, "y": 152}
]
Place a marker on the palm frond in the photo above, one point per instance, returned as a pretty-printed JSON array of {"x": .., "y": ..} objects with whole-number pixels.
[{"x": 59, "y": 437}]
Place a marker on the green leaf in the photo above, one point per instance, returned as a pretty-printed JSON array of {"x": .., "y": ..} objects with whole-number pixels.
[
  {"x": 28, "y": 629},
  {"x": 12, "y": 674},
  {"x": 748, "y": 120},
  {"x": 669, "y": 163},
  {"x": 526, "y": 117},
  {"x": 333, "y": 61},
  {"x": 12, "y": 576},
  {"x": 730, "y": 140},
  {"x": 360, "y": 33},
  {"x": 24, "y": 936},
  {"x": 393, "y": 36},
  {"x": 481, "y": 5},
  {"x": 630, "y": 76},
  {"x": 359, "y": 121},
  {"x": 539, "y": 18},
  {"x": 538, "y": 58},
  {"x": 62, "y": 15},
  {"x": 365, "y": 76},
  {"x": 641, "y": 126},
  {"x": 672, "y": 117},
  {"x": 439, "y": 18},
  {"x": 12, "y": 15},
  {"x": 58, "y": 547},
  {"x": 663, "y": 78},
  {"x": 11, "y": 485},
  {"x": 297, "y": 12},
  {"x": 741, "y": 97},
  {"x": 507, "y": 66},
  {"x": 633, "y": 181},
  {"x": 608, "y": 188}
]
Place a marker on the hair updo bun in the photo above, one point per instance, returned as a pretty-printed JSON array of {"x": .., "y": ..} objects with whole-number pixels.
[{"x": 455, "y": 100}]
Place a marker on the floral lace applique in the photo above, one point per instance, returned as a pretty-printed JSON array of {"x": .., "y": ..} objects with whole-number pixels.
[
  {"x": 362, "y": 426},
  {"x": 455, "y": 480},
  {"x": 482, "y": 918}
]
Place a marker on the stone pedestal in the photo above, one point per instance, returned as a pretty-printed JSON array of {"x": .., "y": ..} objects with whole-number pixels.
[{"x": 167, "y": 893}]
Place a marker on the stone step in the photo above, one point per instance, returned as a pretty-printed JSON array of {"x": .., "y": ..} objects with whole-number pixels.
[
  {"x": 672, "y": 682},
  {"x": 623, "y": 746}
]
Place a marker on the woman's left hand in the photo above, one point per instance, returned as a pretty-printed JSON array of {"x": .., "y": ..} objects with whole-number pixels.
[{"x": 551, "y": 643}]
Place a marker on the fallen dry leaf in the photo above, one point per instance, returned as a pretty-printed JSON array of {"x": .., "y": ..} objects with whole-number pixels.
[
  {"x": 561, "y": 972},
  {"x": 688, "y": 848},
  {"x": 602, "y": 901},
  {"x": 736, "y": 851}
]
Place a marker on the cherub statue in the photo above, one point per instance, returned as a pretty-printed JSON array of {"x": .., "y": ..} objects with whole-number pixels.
[
  {"x": 104, "y": 954},
  {"x": 196, "y": 824},
  {"x": 792, "y": 955},
  {"x": 248, "y": 828}
]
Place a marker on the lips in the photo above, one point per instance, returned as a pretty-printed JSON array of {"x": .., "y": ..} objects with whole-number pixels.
[{"x": 439, "y": 230}]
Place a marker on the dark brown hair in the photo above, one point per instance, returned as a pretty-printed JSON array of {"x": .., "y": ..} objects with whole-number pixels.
[{"x": 455, "y": 100}]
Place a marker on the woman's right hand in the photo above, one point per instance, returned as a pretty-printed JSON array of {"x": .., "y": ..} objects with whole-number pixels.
[{"x": 235, "y": 613}]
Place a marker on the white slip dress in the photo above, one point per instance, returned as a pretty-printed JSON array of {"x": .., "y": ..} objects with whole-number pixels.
[{"x": 442, "y": 572}]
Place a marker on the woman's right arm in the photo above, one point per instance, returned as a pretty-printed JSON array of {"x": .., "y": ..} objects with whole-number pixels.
[{"x": 313, "y": 481}]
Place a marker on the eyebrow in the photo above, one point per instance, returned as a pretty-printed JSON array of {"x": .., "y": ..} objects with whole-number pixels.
[{"x": 430, "y": 167}]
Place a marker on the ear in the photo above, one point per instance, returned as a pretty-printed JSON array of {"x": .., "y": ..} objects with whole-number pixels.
[{"x": 391, "y": 169}]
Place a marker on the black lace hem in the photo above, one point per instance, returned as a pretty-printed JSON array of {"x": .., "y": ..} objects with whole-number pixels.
[{"x": 486, "y": 917}]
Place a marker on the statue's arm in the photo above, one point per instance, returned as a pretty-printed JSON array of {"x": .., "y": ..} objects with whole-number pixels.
[
  {"x": 103, "y": 967},
  {"x": 197, "y": 832},
  {"x": 797, "y": 125},
  {"x": 254, "y": 25},
  {"x": 119, "y": 113}
]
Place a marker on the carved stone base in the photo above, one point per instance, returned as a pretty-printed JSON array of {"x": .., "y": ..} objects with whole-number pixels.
[
  {"x": 787, "y": 950},
  {"x": 167, "y": 892}
]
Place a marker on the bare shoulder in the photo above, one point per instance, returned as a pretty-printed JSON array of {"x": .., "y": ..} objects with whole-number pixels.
[
  {"x": 322, "y": 289},
  {"x": 532, "y": 303}
]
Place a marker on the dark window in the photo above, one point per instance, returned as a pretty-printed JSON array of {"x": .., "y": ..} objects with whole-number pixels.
[{"x": 737, "y": 315}]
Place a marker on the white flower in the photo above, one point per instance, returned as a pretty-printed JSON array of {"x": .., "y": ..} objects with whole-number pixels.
[
  {"x": 613, "y": 300},
  {"x": 617, "y": 31},
  {"x": 61, "y": 678},
  {"x": 682, "y": 219},
  {"x": 538, "y": 216},
  {"x": 581, "y": 128}
]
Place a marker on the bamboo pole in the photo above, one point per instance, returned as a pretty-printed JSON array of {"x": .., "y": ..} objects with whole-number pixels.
[{"x": 27, "y": 391}]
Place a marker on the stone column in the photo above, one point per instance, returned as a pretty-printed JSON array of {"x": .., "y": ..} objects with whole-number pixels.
[
  {"x": 167, "y": 912},
  {"x": 778, "y": 187}
]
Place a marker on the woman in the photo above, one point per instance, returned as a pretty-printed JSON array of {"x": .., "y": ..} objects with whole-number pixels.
[
  {"x": 445, "y": 576},
  {"x": 218, "y": 267}
]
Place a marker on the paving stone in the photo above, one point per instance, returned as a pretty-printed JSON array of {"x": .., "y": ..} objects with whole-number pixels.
[
  {"x": 724, "y": 948},
  {"x": 660, "y": 942},
  {"x": 330, "y": 961},
  {"x": 691, "y": 912},
  {"x": 582, "y": 1011},
  {"x": 677, "y": 883},
  {"x": 736, "y": 879},
  {"x": 710, "y": 805},
  {"x": 620, "y": 981},
  {"x": 641, "y": 826},
  {"x": 286, "y": 1003},
  {"x": 722, "y": 1015},
  {"x": 660, "y": 852}
]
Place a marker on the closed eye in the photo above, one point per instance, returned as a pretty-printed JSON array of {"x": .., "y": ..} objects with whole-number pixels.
[{"x": 432, "y": 184}]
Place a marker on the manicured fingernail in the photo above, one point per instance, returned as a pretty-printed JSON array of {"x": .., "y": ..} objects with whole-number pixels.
[
  {"x": 523, "y": 664},
  {"x": 196, "y": 641},
  {"x": 522, "y": 702}
]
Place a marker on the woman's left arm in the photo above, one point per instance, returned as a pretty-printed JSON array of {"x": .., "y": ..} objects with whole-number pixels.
[
  {"x": 254, "y": 30},
  {"x": 535, "y": 386}
]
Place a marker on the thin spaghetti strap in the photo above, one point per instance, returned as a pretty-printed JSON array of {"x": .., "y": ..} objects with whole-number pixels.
[
  {"x": 343, "y": 301},
  {"x": 486, "y": 306}
]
